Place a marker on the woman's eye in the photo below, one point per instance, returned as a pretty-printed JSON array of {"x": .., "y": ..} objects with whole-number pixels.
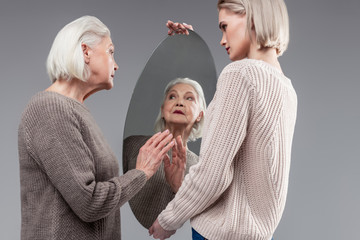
[
  {"x": 223, "y": 27},
  {"x": 171, "y": 97},
  {"x": 189, "y": 98}
]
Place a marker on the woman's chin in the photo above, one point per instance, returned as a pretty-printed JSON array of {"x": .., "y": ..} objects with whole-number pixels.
[{"x": 109, "y": 85}]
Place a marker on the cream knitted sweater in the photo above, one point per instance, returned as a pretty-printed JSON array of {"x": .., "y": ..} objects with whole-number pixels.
[{"x": 238, "y": 189}]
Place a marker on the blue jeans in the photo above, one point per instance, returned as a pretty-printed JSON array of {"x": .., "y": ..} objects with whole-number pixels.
[{"x": 197, "y": 236}]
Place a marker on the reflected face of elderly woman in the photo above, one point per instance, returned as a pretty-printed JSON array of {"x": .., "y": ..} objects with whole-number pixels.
[
  {"x": 100, "y": 60},
  {"x": 181, "y": 107}
]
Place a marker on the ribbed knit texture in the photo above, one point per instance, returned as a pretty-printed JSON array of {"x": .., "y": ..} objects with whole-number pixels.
[
  {"x": 148, "y": 203},
  {"x": 70, "y": 184},
  {"x": 238, "y": 189}
]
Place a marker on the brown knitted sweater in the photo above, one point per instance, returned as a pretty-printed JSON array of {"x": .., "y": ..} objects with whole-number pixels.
[{"x": 70, "y": 184}]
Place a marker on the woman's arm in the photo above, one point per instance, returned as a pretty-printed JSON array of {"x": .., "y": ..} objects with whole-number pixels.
[
  {"x": 224, "y": 134},
  {"x": 56, "y": 143}
]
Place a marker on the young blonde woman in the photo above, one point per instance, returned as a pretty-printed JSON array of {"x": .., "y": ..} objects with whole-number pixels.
[{"x": 238, "y": 189}]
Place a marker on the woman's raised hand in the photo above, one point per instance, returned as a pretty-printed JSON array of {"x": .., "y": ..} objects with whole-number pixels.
[
  {"x": 175, "y": 171},
  {"x": 178, "y": 28},
  {"x": 153, "y": 151}
]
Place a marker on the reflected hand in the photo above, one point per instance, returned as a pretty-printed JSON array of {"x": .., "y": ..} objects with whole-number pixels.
[
  {"x": 158, "y": 232},
  {"x": 153, "y": 151},
  {"x": 178, "y": 28},
  {"x": 175, "y": 171}
]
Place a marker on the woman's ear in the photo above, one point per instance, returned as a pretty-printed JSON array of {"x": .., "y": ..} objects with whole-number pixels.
[
  {"x": 201, "y": 114},
  {"x": 86, "y": 52}
]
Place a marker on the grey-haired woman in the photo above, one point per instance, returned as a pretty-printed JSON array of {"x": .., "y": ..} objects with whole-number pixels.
[{"x": 70, "y": 183}]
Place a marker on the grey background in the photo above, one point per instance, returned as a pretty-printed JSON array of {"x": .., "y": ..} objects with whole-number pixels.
[{"x": 322, "y": 61}]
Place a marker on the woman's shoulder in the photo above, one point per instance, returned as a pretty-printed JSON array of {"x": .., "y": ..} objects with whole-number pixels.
[
  {"x": 253, "y": 71},
  {"x": 49, "y": 106},
  {"x": 237, "y": 72},
  {"x": 246, "y": 65},
  {"x": 47, "y": 101},
  {"x": 234, "y": 66},
  {"x": 40, "y": 103}
]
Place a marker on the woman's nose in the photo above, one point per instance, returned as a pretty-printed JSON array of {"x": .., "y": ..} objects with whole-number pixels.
[
  {"x": 179, "y": 103},
  {"x": 223, "y": 40}
]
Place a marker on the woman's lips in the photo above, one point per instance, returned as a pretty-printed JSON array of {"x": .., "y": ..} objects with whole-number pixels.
[
  {"x": 227, "y": 49},
  {"x": 178, "y": 112}
]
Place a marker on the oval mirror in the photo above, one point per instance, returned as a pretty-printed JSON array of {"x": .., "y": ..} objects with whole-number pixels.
[{"x": 178, "y": 56}]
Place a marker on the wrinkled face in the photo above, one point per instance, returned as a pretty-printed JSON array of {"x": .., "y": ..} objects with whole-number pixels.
[
  {"x": 235, "y": 38},
  {"x": 102, "y": 64},
  {"x": 181, "y": 106}
]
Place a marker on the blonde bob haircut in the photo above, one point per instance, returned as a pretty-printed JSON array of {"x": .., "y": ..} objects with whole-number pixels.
[
  {"x": 66, "y": 59},
  {"x": 270, "y": 19},
  {"x": 197, "y": 127}
]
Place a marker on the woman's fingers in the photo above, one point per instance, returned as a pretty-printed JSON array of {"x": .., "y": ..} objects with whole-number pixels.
[
  {"x": 163, "y": 143},
  {"x": 165, "y": 149},
  {"x": 170, "y": 25},
  {"x": 151, "y": 230},
  {"x": 153, "y": 151},
  {"x": 181, "y": 149},
  {"x": 150, "y": 141},
  {"x": 176, "y": 150},
  {"x": 157, "y": 138},
  {"x": 181, "y": 29},
  {"x": 178, "y": 28},
  {"x": 179, "y": 153},
  {"x": 188, "y": 26},
  {"x": 166, "y": 161},
  {"x": 179, "y": 144}
]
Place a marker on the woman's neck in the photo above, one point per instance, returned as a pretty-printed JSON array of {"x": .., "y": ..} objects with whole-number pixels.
[
  {"x": 74, "y": 88},
  {"x": 179, "y": 130},
  {"x": 267, "y": 55}
]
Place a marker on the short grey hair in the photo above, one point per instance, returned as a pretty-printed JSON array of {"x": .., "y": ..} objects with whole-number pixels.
[
  {"x": 197, "y": 127},
  {"x": 270, "y": 19},
  {"x": 66, "y": 59}
]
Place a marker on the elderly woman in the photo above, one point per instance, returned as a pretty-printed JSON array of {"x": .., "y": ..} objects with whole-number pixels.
[
  {"x": 238, "y": 189},
  {"x": 70, "y": 183},
  {"x": 182, "y": 113}
]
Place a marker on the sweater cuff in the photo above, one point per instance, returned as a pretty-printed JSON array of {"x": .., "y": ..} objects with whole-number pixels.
[
  {"x": 164, "y": 223},
  {"x": 132, "y": 182}
]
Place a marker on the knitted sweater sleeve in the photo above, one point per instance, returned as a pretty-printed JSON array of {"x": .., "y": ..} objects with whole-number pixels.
[
  {"x": 56, "y": 143},
  {"x": 225, "y": 130}
]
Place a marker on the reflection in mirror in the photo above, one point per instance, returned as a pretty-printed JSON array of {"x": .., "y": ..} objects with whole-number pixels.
[{"x": 172, "y": 93}]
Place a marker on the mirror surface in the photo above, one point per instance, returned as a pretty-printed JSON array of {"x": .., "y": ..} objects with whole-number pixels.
[{"x": 178, "y": 56}]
